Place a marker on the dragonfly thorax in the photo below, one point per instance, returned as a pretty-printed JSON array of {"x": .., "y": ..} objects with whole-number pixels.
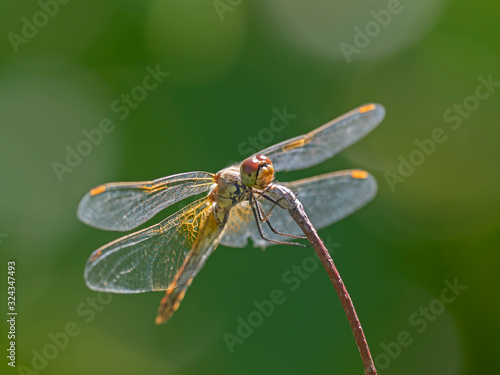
[{"x": 229, "y": 190}]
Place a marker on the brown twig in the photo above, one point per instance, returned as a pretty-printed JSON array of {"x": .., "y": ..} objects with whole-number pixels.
[{"x": 296, "y": 210}]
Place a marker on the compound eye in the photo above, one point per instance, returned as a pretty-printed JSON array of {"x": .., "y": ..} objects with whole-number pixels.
[
  {"x": 249, "y": 166},
  {"x": 248, "y": 171}
]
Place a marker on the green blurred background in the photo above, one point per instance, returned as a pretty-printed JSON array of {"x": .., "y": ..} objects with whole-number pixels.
[{"x": 232, "y": 63}]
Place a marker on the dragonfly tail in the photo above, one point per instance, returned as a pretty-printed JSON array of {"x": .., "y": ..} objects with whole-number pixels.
[{"x": 170, "y": 302}]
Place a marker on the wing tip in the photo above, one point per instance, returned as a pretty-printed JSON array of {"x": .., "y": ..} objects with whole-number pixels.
[
  {"x": 359, "y": 174},
  {"x": 97, "y": 190},
  {"x": 373, "y": 107},
  {"x": 365, "y": 108},
  {"x": 82, "y": 208}
]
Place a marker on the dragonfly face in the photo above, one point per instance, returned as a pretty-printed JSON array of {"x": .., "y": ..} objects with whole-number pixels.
[
  {"x": 235, "y": 185},
  {"x": 168, "y": 255},
  {"x": 257, "y": 171}
]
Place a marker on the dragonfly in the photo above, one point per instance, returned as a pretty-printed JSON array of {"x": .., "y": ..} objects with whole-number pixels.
[{"x": 235, "y": 208}]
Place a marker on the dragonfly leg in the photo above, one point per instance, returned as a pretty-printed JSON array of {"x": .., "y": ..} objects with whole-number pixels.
[
  {"x": 262, "y": 217},
  {"x": 263, "y": 195},
  {"x": 265, "y": 218},
  {"x": 257, "y": 197},
  {"x": 272, "y": 200},
  {"x": 258, "y": 216},
  {"x": 270, "y": 225}
]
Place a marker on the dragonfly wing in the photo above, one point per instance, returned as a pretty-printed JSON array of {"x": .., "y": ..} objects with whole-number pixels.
[
  {"x": 326, "y": 199},
  {"x": 155, "y": 258},
  {"x": 125, "y": 205},
  {"x": 240, "y": 227},
  {"x": 333, "y": 196},
  {"x": 324, "y": 142}
]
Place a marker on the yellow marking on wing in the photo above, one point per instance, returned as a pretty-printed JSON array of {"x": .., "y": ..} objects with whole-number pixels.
[
  {"x": 367, "y": 108},
  {"x": 298, "y": 143},
  {"x": 95, "y": 255},
  {"x": 153, "y": 188},
  {"x": 162, "y": 186},
  {"x": 97, "y": 190},
  {"x": 190, "y": 222},
  {"x": 359, "y": 174}
]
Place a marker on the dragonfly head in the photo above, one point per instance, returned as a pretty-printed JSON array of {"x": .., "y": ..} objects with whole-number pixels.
[{"x": 257, "y": 172}]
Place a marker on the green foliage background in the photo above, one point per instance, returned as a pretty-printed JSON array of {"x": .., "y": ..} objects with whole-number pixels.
[{"x": 228, "y": 71}]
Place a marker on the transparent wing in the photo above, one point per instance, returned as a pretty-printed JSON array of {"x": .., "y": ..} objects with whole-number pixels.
[
  {"x": 125, "y": 205},
  {"x": 160, "y": 257},
  {"x": 240, "y": 227},
  {"x": 326, "y": 141},
  {"x": 326, "y": 199}
]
